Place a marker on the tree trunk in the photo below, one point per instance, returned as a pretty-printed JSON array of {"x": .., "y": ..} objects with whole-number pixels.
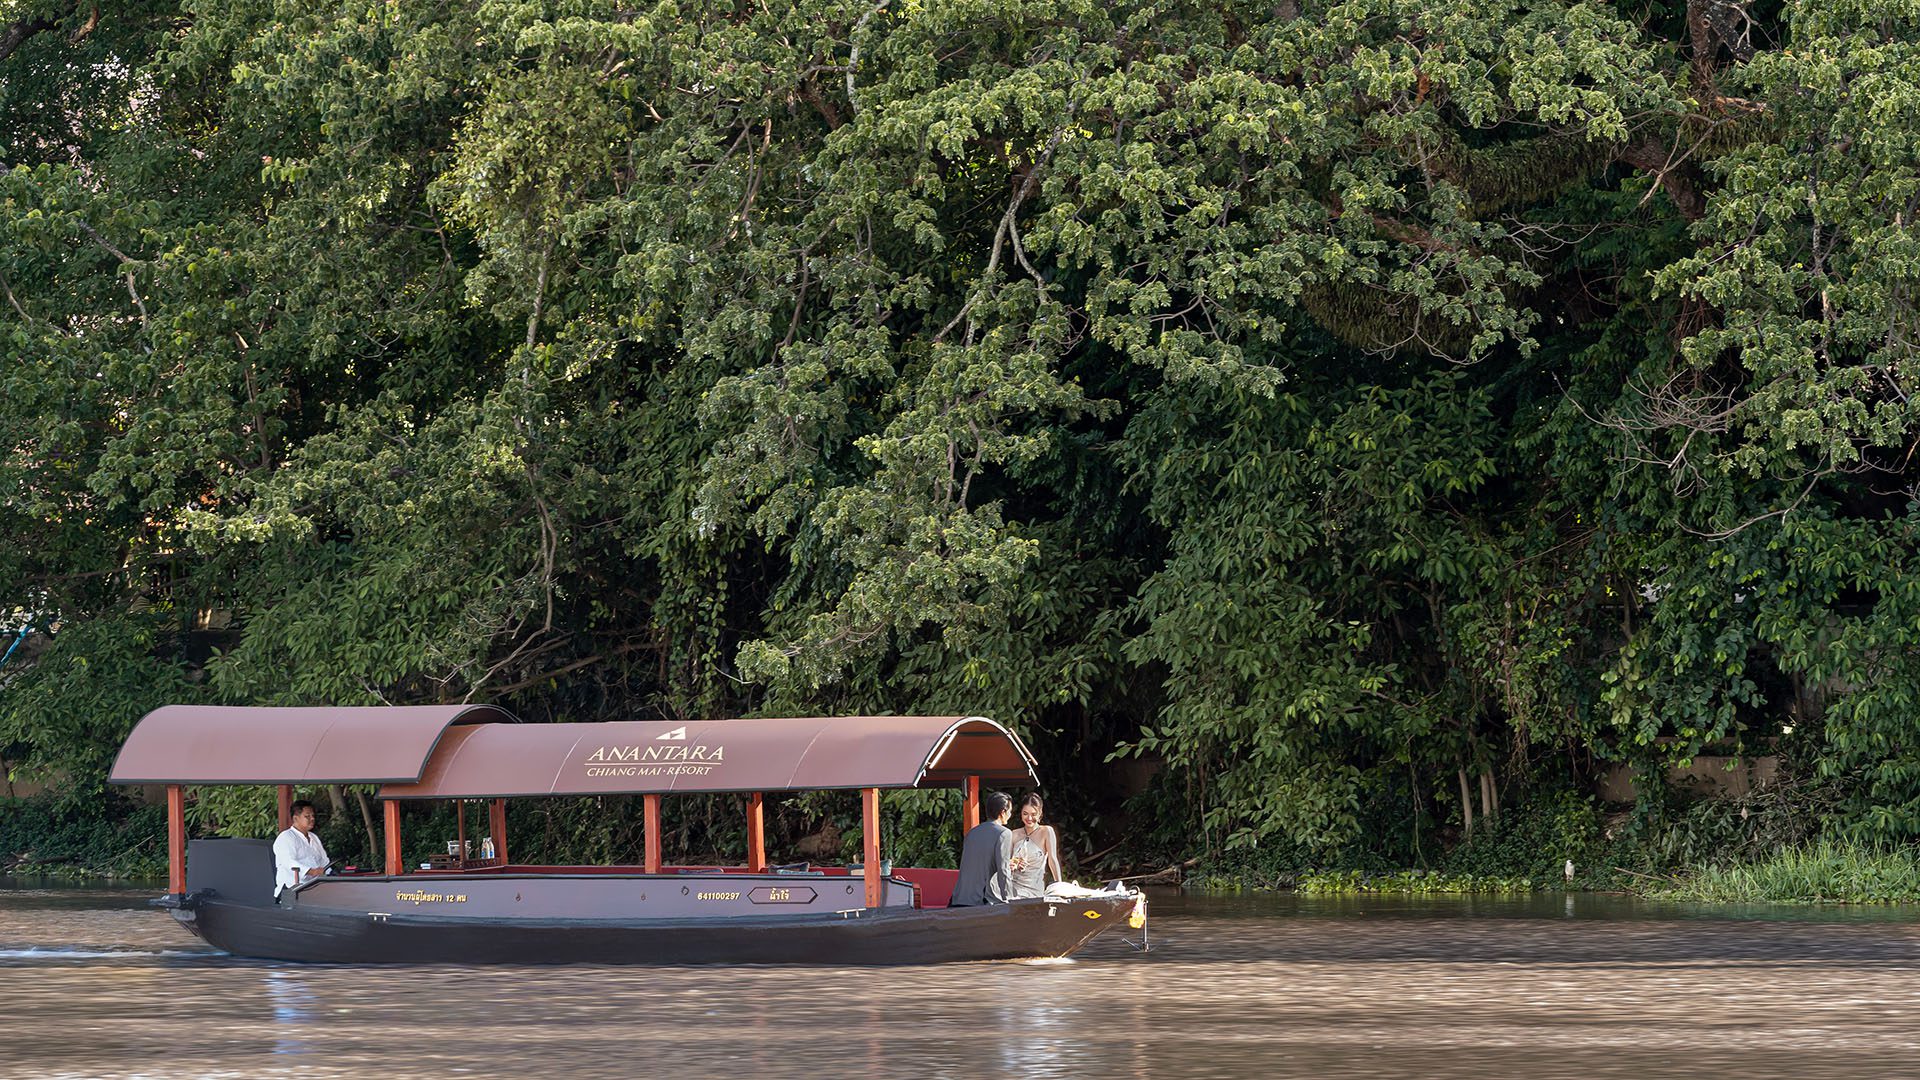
[
  {"x": 1413, "y": 788},
  {"x": 1466, "y": 803},
  {"x": 366, "y": 820}
]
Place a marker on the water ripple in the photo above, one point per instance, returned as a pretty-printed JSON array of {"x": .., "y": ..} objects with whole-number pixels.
[{"x": 94, "y": 985}]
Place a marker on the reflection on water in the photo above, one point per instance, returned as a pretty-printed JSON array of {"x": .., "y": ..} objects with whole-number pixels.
[
  {"x": 94, "y": 984},
  {"x": 296, "y": 1012}
]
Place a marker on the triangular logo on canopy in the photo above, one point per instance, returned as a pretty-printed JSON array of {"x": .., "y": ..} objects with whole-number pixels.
[{"x": 678, "y": 734}]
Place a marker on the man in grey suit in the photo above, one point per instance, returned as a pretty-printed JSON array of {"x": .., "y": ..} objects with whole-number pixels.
[{"x": 984, "y": 855}]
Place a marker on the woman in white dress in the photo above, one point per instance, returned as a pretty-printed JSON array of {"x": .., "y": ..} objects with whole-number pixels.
[{"x": 1036, "y": 852}]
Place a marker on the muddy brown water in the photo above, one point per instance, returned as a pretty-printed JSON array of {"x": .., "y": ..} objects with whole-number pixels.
[{"x": 94, "y": 984}]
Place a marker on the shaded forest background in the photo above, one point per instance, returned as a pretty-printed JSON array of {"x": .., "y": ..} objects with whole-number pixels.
[{"x": 1304, "y": 422}]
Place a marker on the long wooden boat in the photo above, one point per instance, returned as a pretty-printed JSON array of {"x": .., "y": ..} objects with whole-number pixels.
[{"x": 490, "y": 910}]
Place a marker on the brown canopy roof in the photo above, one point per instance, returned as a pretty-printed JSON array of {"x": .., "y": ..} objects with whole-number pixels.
[
  {"x": 815, "y": 753},
  {"x": 218, "y": 744}
]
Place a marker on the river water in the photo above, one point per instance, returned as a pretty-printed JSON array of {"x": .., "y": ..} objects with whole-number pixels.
[{"x": 94, "y": 984}]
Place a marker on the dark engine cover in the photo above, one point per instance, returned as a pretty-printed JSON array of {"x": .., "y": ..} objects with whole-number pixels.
[{"x": 238, "y": 871}]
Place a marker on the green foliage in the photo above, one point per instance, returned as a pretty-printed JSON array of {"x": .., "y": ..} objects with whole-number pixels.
[
  {"x": 46, "y": 835},
  {"x": 1319, "y": 401},
  {"x": 1824, "y": 873},
  {"x": 1414, "y": 882},
  {"x": 1753, "y": 849},
  {"x": 1535, "y": 841},
  {"x": 88, "y": 684},
  {"x": 1276, "y": 675}
]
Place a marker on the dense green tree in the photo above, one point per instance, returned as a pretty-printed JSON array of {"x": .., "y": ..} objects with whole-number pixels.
[{"x": 1336, "y": 402}]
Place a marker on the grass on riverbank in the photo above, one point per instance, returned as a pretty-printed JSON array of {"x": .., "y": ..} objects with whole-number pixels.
[
  {"x": 1822, "y": 873},
  {"x": 1760, "y": 850},
  {"x": 1411, "y": 882}
]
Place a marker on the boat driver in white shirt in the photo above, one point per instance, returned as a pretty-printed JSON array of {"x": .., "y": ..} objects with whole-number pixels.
[{"x": 298, "y": 853}]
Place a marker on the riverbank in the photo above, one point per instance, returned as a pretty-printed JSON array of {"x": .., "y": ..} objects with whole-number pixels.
[
  {"x": 1824, "y": 875},
  {"x": 1564, "y": 845},
  {"x": 1821, "y": 873}
]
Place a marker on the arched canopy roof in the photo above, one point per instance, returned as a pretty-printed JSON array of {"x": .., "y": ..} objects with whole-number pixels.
[
  {"x": 630, "y": 757},
  {"x": 221, "y": 744}
]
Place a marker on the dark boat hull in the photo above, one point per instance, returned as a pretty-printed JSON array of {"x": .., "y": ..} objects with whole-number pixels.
[{"x": 1023, "y": 929}]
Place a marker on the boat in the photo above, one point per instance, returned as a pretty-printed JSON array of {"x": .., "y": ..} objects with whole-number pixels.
[{"x": 477, "y": 906}]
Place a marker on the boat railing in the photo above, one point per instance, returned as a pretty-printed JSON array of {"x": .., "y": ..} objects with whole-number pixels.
[{"x": 935, "y": 885}]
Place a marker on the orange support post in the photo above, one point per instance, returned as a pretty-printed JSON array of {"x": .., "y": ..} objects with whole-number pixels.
[
  {"x": 756, "y": 833},
  {"x": 870, "y": 834},
  {"x": 651, "y": 809},
  {"x": 969, "y": 805},
  {"x": 394, "y": 868},
  {"x": 284, "y": 796},
  {"x": 176, "y": 840},
  {"x": 497, "y": 816}
]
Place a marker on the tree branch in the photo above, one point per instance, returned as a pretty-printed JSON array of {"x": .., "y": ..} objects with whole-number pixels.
[
  {"x": 811, "y": 91},
  {"x": 1679, "y": 180},
  {"x": 853, "y": 54},
  {"x": 539, "y": 295},
  {"x": 1025, "y": 188},
  {"x": 15, "y": 302},
  {"x": 128, "y": 264},
  {"x": 17, "y": 33}
]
